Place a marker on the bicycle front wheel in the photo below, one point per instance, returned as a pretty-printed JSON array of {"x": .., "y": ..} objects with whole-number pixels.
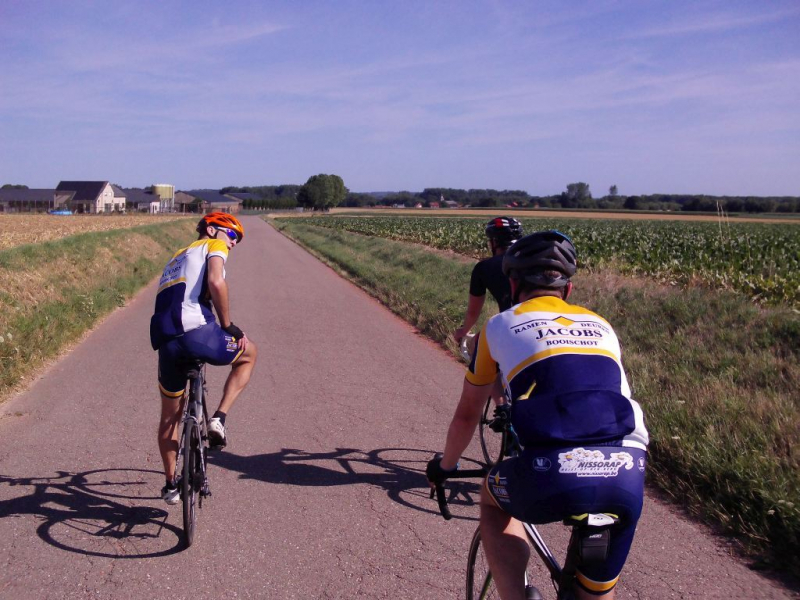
[
  {"x": 190, "y": 486},
  {"x": 492, "y": 442}
]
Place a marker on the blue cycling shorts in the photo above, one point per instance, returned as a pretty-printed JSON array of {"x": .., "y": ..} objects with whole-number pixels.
[
  {"x": 208, "y": 344},
  {"x": 545, "y": 485}
]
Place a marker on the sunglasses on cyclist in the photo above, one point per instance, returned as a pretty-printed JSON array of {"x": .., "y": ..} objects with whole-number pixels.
[{"x": 230, "y": 233}]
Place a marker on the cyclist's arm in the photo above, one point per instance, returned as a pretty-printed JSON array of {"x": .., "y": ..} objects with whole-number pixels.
[
  {"x": 477, "y": 296},
  {"x": 474, "y": 308},
  {"x": 219, "y": 290},
  {"x": 465, "y": 420}
]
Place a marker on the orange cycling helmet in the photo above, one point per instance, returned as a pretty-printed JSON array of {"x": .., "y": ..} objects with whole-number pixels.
[{"x": 222, "y": 220}]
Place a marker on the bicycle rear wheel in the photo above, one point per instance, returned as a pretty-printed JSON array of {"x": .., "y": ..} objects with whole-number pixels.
[
  {"x": 492, "y": 442},
  {"x": 480, "y": 584},
  {"x": 190, "y": 486}
]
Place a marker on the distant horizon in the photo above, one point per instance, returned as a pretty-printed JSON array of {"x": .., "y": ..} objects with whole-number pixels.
[
  {"x": 177, "y": 189},
  {"x": 375, "y": 192},
  {"x": 690, "y": 96}
]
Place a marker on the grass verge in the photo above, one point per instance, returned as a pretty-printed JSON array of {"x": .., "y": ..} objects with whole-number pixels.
[
  {"x": 55, "y": 291},
  {"x": 716, "y": 376}
]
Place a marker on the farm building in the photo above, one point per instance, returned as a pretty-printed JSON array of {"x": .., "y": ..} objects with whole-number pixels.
[
  {"x": 212, "y": 200},
  {"x": 139, "y": 200},
  {"x": 243, "y": 196},
  {"x": 25, "y": 200},
  {"x": 187, "y": 203},
  {"x": 91, "y": 197}
]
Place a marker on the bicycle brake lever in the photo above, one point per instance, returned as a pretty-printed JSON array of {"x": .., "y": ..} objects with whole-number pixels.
[{"x": 441, "y": 499}]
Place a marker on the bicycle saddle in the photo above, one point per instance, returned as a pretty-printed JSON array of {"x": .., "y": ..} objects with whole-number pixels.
[
  {"x": 592, "y": 520},
  {"x": 594, "y": 535},
  {"x": 192, "y": 367}
]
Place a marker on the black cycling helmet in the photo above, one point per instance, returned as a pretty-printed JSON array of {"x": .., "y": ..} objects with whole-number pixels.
[
  {"x": 529, "y": 258},
  {"x": 504, "y": 230}
]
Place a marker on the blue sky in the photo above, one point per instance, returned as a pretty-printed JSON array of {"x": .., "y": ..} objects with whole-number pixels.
[{"x": 653, "y": 96}]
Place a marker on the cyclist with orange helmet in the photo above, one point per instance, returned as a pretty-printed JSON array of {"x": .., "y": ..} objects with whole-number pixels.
[{"x": 183, "y": 329}]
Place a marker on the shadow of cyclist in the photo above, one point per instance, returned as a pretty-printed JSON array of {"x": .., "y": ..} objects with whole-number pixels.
[
  {"x": 79, "y": 515},
  {"x": 399, "y": 471}
]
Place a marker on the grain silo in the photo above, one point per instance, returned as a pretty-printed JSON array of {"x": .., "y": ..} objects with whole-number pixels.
[{"x": 166, "y": 195}]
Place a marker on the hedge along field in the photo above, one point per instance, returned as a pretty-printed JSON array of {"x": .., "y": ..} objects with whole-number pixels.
[
  {"x": 53, "y": 292},
  {"x": 716, "y": 374},
  {"x": 757, "y": 259}
]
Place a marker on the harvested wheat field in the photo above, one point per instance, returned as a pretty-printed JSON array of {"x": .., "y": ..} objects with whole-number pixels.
[{"x": 16, "y": 230}]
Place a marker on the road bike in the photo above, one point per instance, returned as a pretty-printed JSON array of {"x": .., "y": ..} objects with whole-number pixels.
[
  {"x": 193, "y": 452},
  {"x": 491, "y": 436},
  {"x": 588, "y": 543}
]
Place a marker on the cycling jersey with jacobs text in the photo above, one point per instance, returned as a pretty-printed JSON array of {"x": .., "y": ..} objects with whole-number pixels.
[
  {"x": 183, "y": 302},
  {"x": 561, "y": 365}
]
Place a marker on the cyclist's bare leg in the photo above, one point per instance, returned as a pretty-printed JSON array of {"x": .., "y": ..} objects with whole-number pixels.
[
  {"x": 498, "y": 395},
  {"x": 168, "y": 433},
  {"x": 238, "y": 377},
  {"x": 506, "y": 546}
]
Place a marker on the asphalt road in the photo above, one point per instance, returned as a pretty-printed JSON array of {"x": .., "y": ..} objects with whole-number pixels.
[{"x": 320, "y": 493}]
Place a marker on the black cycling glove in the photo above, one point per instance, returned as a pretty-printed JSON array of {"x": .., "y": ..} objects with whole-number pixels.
[
  {"x": 434, "y": 471},
  {"x": 502, "y": 415},
  {"x": 234, "y": 331}
]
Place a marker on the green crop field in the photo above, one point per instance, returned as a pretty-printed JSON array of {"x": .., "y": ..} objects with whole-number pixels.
[
  {"x": 757, "y": 259},
  {"x": 716, "y": 373}
]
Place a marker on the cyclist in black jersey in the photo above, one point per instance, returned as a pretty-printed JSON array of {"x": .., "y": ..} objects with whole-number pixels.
[{"x": 488, "y": 273}]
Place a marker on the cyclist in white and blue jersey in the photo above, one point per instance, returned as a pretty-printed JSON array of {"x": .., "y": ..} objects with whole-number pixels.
[
  {"x": 183, "y": 329},
  {"x": 583, "y": 437}
]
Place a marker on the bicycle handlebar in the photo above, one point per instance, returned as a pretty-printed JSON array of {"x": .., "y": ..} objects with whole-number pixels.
[{"x": 438, "y": 489}]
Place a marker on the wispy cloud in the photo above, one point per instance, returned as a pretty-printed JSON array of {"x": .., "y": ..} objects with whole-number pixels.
[
  {"x": 448, "y": 91},
  {"x": 712, "y": 23}
]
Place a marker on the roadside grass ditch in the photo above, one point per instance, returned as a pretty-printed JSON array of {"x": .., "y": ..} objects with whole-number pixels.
[
  {"x": 55, "y": 291},
  {"x": 717, "y": 376}
]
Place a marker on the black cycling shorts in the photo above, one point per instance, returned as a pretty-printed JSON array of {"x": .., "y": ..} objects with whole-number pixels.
[
  {"x": 546, "y": 485},
  {"x": 209, "y": 344}
]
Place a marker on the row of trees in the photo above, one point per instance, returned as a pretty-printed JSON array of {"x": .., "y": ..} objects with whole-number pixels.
[
  {"x": 320, "y": 192},
  {"x": 266, "y": 197},
  {"x": 579, "y": 196}
]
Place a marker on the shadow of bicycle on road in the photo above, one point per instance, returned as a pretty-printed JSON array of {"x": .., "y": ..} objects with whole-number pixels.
[
  {"x": 83, "y": 513},
  {"x": 399, "y": 471}
]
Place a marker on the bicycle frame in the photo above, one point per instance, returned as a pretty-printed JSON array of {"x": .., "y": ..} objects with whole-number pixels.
[
  {"x": 195, "y": 407},
  {"x": 562, "y": 578}
]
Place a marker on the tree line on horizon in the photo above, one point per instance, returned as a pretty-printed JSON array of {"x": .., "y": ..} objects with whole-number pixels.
[{"x": 322, "y": 192}]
